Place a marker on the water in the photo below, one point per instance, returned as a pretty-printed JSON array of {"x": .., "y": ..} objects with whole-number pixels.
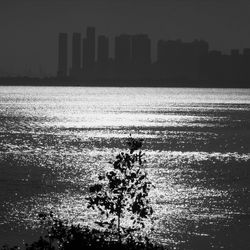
[{"x": 54, "y": 141}]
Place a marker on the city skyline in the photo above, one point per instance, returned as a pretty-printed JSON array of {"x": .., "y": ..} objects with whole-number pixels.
[
  {"x": 29, "y": 28},
  {"x": 131, "y": 60},
  {"x": 88, "y": 55},
  {"x": 41, "y": 71}
]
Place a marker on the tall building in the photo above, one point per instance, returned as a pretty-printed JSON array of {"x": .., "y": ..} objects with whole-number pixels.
[
  {"x": 84, "y": 49},
  {"x": 90, "y": 48},
  {"x": 168, "y": 58},
  {"x": 102, "y": 49},
  {"x": 181, "y": 60},
  {"x": 62, "y": 55},
  {"x": 168, "y": 51},
  {"x": 123, "y": 49},
  {"x": 141, "y": 50},
  {"x": 76, "y": 54},
  {"x": 246, "y": 65}
]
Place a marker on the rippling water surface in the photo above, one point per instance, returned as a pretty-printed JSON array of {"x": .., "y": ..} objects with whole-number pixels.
[{"x": 53, "y": 142}]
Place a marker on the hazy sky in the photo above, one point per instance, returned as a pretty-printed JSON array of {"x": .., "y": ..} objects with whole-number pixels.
[{"x": 29, "y": 28}]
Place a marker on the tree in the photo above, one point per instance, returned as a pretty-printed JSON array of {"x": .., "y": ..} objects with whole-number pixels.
[{"x": 121, "y": 194}]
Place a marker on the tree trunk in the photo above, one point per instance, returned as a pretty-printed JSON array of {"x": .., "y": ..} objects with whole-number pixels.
[{"x": 119, "y": 228}]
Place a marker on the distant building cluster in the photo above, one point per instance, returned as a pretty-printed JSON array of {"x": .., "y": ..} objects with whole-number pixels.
[{"x": 175, "y": 61}]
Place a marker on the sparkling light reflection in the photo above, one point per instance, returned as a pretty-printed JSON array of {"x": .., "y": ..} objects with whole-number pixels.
[{"x": 54, "y": 141}]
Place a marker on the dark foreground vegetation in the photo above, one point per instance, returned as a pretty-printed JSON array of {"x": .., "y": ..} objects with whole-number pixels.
[
  {"x": 120, "y": 197},
  {"x": 61, "y": 235}
]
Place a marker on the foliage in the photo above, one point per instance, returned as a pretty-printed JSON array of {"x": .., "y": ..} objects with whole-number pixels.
[
  {"x": 121, "y": 194},
  {"x": 61, "y": 235}
]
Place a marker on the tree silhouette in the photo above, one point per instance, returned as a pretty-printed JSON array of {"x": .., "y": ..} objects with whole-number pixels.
[{"x": 121, "y": 194}]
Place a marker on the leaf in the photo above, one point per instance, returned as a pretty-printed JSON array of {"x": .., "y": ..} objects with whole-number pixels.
[
  {"x": 125, "y": 192},
  {"x": 95, "y": 188}
]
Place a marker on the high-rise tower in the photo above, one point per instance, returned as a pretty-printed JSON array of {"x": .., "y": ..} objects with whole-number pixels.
[
  {"x": 123, "y": 49},
  {"x": 102, "y": 49},
  {"x": 90, "y": 48},
  {"x": 141, "y": 50},
  {"x": 84, "y": 49},
  {"x": 76, "y": 54},
  {"x": 62, "y": 55}
]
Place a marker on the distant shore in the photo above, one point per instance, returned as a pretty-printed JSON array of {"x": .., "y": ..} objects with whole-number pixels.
[{"x": 182, "y": 83}]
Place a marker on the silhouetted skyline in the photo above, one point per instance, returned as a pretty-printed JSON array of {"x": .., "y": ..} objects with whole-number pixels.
[
  {"x": 176, "y": 60},
  {"x": 29, "y": 28}
]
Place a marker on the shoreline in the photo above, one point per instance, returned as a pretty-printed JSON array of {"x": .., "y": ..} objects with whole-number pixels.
[{"x": 137, "y": 83}]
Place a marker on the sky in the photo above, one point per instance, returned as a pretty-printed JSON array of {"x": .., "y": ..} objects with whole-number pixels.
[{"x": 29, "y": 28}]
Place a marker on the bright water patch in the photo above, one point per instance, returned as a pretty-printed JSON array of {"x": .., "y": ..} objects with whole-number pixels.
[{"x": 54, "y": 142}]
